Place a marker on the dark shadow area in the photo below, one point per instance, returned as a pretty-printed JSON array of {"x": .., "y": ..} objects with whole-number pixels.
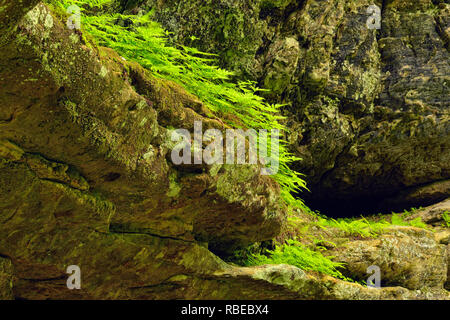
[{"x": 364, "y": 206}]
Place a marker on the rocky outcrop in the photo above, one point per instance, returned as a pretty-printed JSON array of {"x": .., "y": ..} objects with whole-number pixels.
[
  {"x": 408, "y": 257},
  {"x": 433, "y": 215},
  {"x": 368, "y": 109}
]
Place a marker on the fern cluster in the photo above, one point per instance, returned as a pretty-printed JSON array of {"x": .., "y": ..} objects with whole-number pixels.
[
  {"x": 354, "y": 227},
  {"x": 296, "y": 254},
  {"x": 398, "y": 220},
  {"x": 367, "y": 228},
  {"x": 138, "y": 38},
  {"x": 446, "y": 218}
]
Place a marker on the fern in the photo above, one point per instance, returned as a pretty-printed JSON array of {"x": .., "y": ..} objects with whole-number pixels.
[
  {"x": 398, "y": 219},
  {"x": 296, "y": 254},
  {"x": 366, "y": 228},
  {"x": 446, "y": 217},
  {"x": 64, "y": 4},
  {"x": 356, "y": 227}
]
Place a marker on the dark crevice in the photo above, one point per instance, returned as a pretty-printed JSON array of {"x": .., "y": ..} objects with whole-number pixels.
[
  {"x": 112, "y": 176},
  {"x": 4, "y": 256},
  {"x": 120, "y": 229},
  {"x": 163, "y": 285},
  {"x": 63, "y": 277},
  {"x": 59, "y": 182},
  {"x": 72, "y": 173},
  {"x": 7, "y": 121},
  {"x": 365, "y": 205},
  {"x": 10, "y": 218}
]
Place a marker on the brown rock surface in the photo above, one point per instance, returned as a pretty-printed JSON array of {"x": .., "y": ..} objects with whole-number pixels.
[{"x": 407, "y": 257}]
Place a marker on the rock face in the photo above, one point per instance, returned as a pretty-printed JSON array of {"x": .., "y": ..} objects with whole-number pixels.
[
  {"x": 408, "y": 257},
  {"x": 85, "y": 180},
  {"x": 368, "y": 109}
]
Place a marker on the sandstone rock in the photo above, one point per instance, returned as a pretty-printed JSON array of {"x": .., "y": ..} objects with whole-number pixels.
[
  {"x": 433, "y": 215},
  {"x": 121, "y": 148},
  {"x": 447, "y": 284},
  {"x": 398, "y": 129},
  {"x": 408, "y": 257},
  {"x": 283, "y": 58},
  {"x": 84, "y": 166},
  {"x": 300, "y": 285}
]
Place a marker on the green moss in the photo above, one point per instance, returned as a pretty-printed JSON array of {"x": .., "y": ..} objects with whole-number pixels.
[
  {"x": 233, "y": 176},
  {"x": 32, "y": 17},
  {"x": 174, "y": 187}
]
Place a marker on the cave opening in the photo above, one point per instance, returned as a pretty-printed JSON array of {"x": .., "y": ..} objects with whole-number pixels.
[{"x": 363, "y": 206}]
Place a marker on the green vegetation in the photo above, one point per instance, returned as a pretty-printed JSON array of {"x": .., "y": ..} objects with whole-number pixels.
[
  {"x": 139, "y": 39},
  {"x": 446, "y": 217},
  {"x": 355, "y": 227},
  {"x": 296, "y": 254},
  {"x": 398, "y": 220},
  {"x": 365, "y": 227}
]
